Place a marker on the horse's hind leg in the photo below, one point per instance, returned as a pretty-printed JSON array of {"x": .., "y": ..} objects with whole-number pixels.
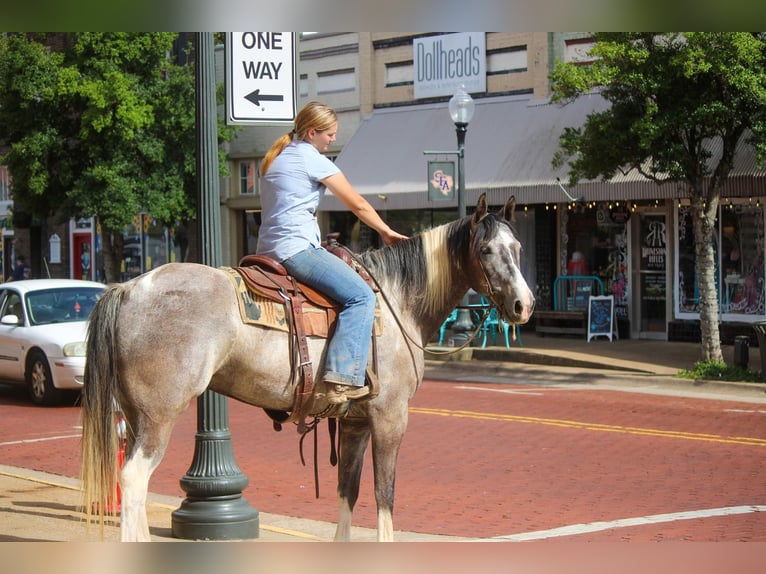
[
  {"x": 354, "y": 437},
  {"x": 134, "y": 482}
]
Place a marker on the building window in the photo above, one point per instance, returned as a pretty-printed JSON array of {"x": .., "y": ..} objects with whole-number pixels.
[
  {"x": 400, "y": 74},
  {"x": 251, "y": 224},
  {"x": 739, "y": 260},
  {"x": 5, "y": 184},
  {"x": 336, "y": 81},
  {"x": 303, "y": 85},
  {"x": 247, "y": 177},
  {"x": 506, "y": 61},
  {"x": 577, "y": 51}
]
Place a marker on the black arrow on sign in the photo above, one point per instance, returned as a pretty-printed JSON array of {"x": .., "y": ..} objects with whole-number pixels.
[{"x": 256, "y": 97}]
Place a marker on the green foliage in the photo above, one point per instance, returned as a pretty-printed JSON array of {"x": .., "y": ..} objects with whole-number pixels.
[
  {"x": 104, "y": 125},
  {"x": 670, "y": 94},
  {"x": 719, "y": 371}
]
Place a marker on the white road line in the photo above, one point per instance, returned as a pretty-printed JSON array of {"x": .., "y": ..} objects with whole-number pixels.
[
  {"x": 507, "y": 391},
  {"x": 576, "y": 529},
  {"x": 40, "y": 439}
]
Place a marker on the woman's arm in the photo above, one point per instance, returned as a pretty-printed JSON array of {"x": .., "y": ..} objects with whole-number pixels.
[{"x": 359, "y": 206}]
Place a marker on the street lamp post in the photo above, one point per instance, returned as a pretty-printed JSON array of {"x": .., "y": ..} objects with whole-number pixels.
[
  {"x": 214, "y": 508},
  {"x": 461, "y": 108}
]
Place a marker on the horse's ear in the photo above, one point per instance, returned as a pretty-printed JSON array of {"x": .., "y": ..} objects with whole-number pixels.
[
  {"x": 509, "y": 209},
  {"x": 481, "y": 209}
]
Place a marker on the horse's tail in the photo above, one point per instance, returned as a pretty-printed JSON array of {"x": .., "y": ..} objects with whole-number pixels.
[{"x": 100, "y": 438}]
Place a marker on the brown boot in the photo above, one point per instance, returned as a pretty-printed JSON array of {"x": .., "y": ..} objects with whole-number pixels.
[{"x": 338, "y": 393}]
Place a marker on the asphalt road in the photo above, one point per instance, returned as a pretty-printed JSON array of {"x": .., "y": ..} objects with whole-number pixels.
[{"x": 494, "y": 458}]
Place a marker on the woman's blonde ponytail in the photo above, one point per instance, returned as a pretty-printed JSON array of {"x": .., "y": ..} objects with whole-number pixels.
[{"x": 313, "y": 116}]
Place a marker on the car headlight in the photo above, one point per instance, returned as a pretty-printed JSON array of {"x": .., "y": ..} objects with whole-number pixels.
[{"x": 74, "y": 349}]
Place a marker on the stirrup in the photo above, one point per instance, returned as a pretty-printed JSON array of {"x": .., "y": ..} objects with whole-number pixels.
[{"x": 338, "y": 393}]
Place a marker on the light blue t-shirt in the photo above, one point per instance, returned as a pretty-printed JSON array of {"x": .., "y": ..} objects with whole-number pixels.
[{"x": 290, "y": 194}]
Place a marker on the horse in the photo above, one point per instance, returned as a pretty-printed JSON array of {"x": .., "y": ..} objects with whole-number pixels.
[{"x": 132, "y": 365}]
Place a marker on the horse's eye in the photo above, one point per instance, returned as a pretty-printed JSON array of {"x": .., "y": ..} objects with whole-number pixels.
[{"x": 485, "y": 250}]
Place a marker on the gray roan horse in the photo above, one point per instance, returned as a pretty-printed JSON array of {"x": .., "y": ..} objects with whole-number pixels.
[{"x": 132, "y": 362}]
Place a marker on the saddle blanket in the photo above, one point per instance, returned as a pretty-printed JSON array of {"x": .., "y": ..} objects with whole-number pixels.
[{"x": 256, "y": 309}]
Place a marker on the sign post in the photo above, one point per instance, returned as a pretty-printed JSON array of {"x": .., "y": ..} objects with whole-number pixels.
[{"x": 260, "y": 77}]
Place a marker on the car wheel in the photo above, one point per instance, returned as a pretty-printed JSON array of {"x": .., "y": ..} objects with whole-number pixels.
[{"x": 40, "y": 380}]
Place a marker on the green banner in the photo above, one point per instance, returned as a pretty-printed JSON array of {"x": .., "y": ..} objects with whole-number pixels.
[{"x": 441, "y": 180}]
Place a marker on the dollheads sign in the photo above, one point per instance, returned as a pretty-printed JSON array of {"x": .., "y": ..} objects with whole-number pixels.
[
  {"x": 260, "y": 77},
  {"x": 444, "y": 63}
]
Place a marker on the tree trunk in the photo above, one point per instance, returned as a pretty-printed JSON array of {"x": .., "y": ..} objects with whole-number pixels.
[
  {"x": 704, "y": 215},
  {"x": 112, "y": 246}
]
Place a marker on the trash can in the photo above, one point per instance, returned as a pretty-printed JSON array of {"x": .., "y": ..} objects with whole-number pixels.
[
  {"x": 741, "y": 351},
  {"x": 760, "y": 331}
]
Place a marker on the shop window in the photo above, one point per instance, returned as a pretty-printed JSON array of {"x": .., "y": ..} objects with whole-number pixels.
[
  {"x": 597, "y": 245},
  {"x": 739, "y": 258}
]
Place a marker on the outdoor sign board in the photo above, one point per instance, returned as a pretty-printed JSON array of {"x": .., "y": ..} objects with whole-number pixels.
[
  {"x": 260, "y": 77},
  {"x": 600, "y": 316}
]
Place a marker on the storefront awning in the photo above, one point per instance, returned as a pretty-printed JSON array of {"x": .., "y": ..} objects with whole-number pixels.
[{"x": 508, "y": 150}]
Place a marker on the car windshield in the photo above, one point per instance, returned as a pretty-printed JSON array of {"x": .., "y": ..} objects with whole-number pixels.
[{"x": 62, "y": 305}]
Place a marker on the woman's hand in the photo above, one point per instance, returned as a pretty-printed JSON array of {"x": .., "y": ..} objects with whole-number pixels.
[{"x": 391, "y": 237}]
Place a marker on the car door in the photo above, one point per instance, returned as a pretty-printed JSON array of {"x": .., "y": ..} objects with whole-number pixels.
[{"x": 12, "y": 345}]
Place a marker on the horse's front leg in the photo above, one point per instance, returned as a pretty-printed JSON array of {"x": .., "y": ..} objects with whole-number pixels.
[
  {"x": 354, "y": 437},
  {"x": 387, "y": 433}
]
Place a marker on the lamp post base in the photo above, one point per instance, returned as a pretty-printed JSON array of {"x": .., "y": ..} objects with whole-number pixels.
[{"x": 221, "y": 518}]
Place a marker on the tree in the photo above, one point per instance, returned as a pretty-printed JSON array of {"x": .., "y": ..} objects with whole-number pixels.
[
  {"x": 672, "y": 96},
  {"x": 102, "y": 124}
]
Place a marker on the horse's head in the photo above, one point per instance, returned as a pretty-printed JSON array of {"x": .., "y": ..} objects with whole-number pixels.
[{"x": 495, "y": 262}]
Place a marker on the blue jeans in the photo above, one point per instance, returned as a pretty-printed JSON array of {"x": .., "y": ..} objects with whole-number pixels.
[{"x": 349, "y": 347}]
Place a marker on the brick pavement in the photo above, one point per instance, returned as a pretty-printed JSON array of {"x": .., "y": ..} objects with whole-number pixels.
[{"x": 546, "y": 478}]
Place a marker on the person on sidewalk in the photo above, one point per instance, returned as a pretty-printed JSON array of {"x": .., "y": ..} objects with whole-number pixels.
[
  {"x": 294, "y": 177},
  {"x": 21, "y": 270}
]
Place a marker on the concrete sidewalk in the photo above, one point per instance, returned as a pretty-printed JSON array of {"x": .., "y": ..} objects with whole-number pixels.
[
  {"x": 633, "y": 355},
  {"x": 43, "y": 507}
]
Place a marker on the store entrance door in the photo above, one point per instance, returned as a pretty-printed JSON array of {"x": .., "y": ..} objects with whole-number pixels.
[{"x": 653, "y": 276}]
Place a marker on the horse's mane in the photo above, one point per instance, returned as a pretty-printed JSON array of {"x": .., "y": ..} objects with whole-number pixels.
[
  {"x": 421, "y": 269},
  {"x": 418, "y": 269}
]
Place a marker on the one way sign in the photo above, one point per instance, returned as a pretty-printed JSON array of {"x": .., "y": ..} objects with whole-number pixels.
[{"x": 260, "y": 77}]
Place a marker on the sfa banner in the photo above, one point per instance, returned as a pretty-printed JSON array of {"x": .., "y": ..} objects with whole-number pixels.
[
  {"x": 441, "y": 180},
  {"x": 444, "y": 63}
]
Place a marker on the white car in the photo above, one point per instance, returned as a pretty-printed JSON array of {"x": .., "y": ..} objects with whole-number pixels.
[{"x": 43, "y": 324}]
